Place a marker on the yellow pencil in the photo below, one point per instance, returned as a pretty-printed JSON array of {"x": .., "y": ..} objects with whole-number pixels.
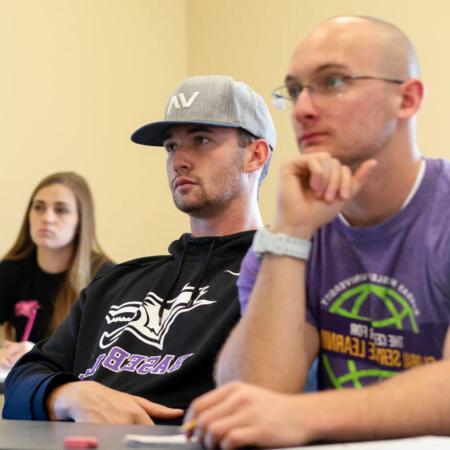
[{"x": 188, "y": 426}]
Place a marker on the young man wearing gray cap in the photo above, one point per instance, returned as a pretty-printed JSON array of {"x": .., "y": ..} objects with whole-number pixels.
[{"x": 145, "y": 334}]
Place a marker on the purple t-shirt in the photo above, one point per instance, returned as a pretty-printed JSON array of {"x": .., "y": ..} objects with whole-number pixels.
[{"x": 379, "y": 296}]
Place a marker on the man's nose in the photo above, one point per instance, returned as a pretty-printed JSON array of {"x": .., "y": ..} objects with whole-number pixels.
[{"x": 182, "y": 159}]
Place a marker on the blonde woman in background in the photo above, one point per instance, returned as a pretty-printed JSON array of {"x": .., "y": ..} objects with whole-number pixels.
[{"x": 55, "y": 256}]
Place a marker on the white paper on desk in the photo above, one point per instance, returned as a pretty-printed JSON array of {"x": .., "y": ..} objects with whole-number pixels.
[
  {"x": 134, "y": 439},
  {"x": 417, "y": 443}
]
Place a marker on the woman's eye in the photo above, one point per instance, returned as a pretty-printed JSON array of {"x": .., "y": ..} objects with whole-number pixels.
[
  {"x": 38, "y": 207},
  {"x": 61, "y": 210}
]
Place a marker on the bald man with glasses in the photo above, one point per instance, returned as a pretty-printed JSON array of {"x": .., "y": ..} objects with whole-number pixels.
[{"x": 355, "y": 267}]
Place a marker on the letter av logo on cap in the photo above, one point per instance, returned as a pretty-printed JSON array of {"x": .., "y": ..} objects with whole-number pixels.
[{"x": 179, "y": 101}]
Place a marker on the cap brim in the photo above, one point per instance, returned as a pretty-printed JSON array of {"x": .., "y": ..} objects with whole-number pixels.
[{"x": 155, "y": 133}]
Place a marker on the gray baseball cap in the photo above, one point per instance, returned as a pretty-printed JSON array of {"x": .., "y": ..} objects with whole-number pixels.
[{"x": 214, "y": 100}]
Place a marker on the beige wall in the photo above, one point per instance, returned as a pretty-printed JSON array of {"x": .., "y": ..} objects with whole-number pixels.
[
  {"x": 254, "y": 39},
  {"x": 79, "y": 75}
]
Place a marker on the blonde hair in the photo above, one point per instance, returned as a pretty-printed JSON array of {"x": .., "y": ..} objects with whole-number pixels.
[{"x": 87, "y": 256}]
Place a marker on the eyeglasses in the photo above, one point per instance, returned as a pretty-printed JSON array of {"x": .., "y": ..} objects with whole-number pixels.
[{"x": 321, "y": 86}]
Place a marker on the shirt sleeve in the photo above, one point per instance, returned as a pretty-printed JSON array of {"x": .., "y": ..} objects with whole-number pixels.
[
  {"x": 312, "y": 306},
  {"x": 441, "y": 264},
  {"x": 250, "y": 267},
  {"x": 311, "y": 316},
  {"x": 247, "y": 277}
]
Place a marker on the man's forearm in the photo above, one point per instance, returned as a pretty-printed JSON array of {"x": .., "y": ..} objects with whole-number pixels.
[
  {"x": 416, "y": 402},
  {"x": 267, "y": 346}
]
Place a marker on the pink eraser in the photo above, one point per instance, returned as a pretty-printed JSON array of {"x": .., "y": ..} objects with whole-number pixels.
[{"x": 80, "y": 442}]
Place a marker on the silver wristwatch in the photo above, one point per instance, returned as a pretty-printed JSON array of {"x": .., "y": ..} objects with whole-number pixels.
[{"x": 280, "y": 244}]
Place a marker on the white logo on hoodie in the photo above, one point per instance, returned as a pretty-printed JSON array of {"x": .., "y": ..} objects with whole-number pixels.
[{"x": 142, "y": 318}]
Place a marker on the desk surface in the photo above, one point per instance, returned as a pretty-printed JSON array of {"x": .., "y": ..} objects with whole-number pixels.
[
  {"x": 30, "y": 435},
  {"x": 36, "y": 435}
]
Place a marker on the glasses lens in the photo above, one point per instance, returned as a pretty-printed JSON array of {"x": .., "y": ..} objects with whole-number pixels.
[
  {"x": 330, "y": 84},
  {"x": 293, "y": 91},
  {"x": 278, "y": 101}
]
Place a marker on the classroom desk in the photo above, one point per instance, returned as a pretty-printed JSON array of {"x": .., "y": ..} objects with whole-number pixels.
[{"x": 37, "y": 435}]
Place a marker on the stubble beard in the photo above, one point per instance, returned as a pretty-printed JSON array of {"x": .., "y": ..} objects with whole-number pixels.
[
  {"x": 203, "y": 205},
  {"x": 191, "y": 206}
]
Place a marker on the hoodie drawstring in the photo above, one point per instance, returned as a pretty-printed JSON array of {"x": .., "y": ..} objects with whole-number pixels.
[
  {"x": 175, "y": 279},
  {"x": 202, "y": 274},
  {"x": 177, "y": 276}
]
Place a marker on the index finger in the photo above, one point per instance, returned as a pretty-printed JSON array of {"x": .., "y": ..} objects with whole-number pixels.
[
  {"x": 206, "y": 401},
  {"x": 157, "y": 410},
  {"x": 361, "y": 174}
]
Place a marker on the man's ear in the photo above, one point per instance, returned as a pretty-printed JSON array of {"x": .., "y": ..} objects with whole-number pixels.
[
  {"x": 256, "y": 155},
  {"x": 411, "y": 100}
]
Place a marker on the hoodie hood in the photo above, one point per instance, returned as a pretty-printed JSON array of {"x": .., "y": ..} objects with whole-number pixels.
[
  {"x": 199, "y": 246},
  {"x": 190, "y": 248}
]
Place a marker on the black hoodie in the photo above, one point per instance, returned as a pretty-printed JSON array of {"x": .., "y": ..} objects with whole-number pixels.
[{"x": 150, "y": 327}]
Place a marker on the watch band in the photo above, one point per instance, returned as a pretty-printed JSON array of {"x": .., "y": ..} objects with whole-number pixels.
[{"x": 280, "y": 244}]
